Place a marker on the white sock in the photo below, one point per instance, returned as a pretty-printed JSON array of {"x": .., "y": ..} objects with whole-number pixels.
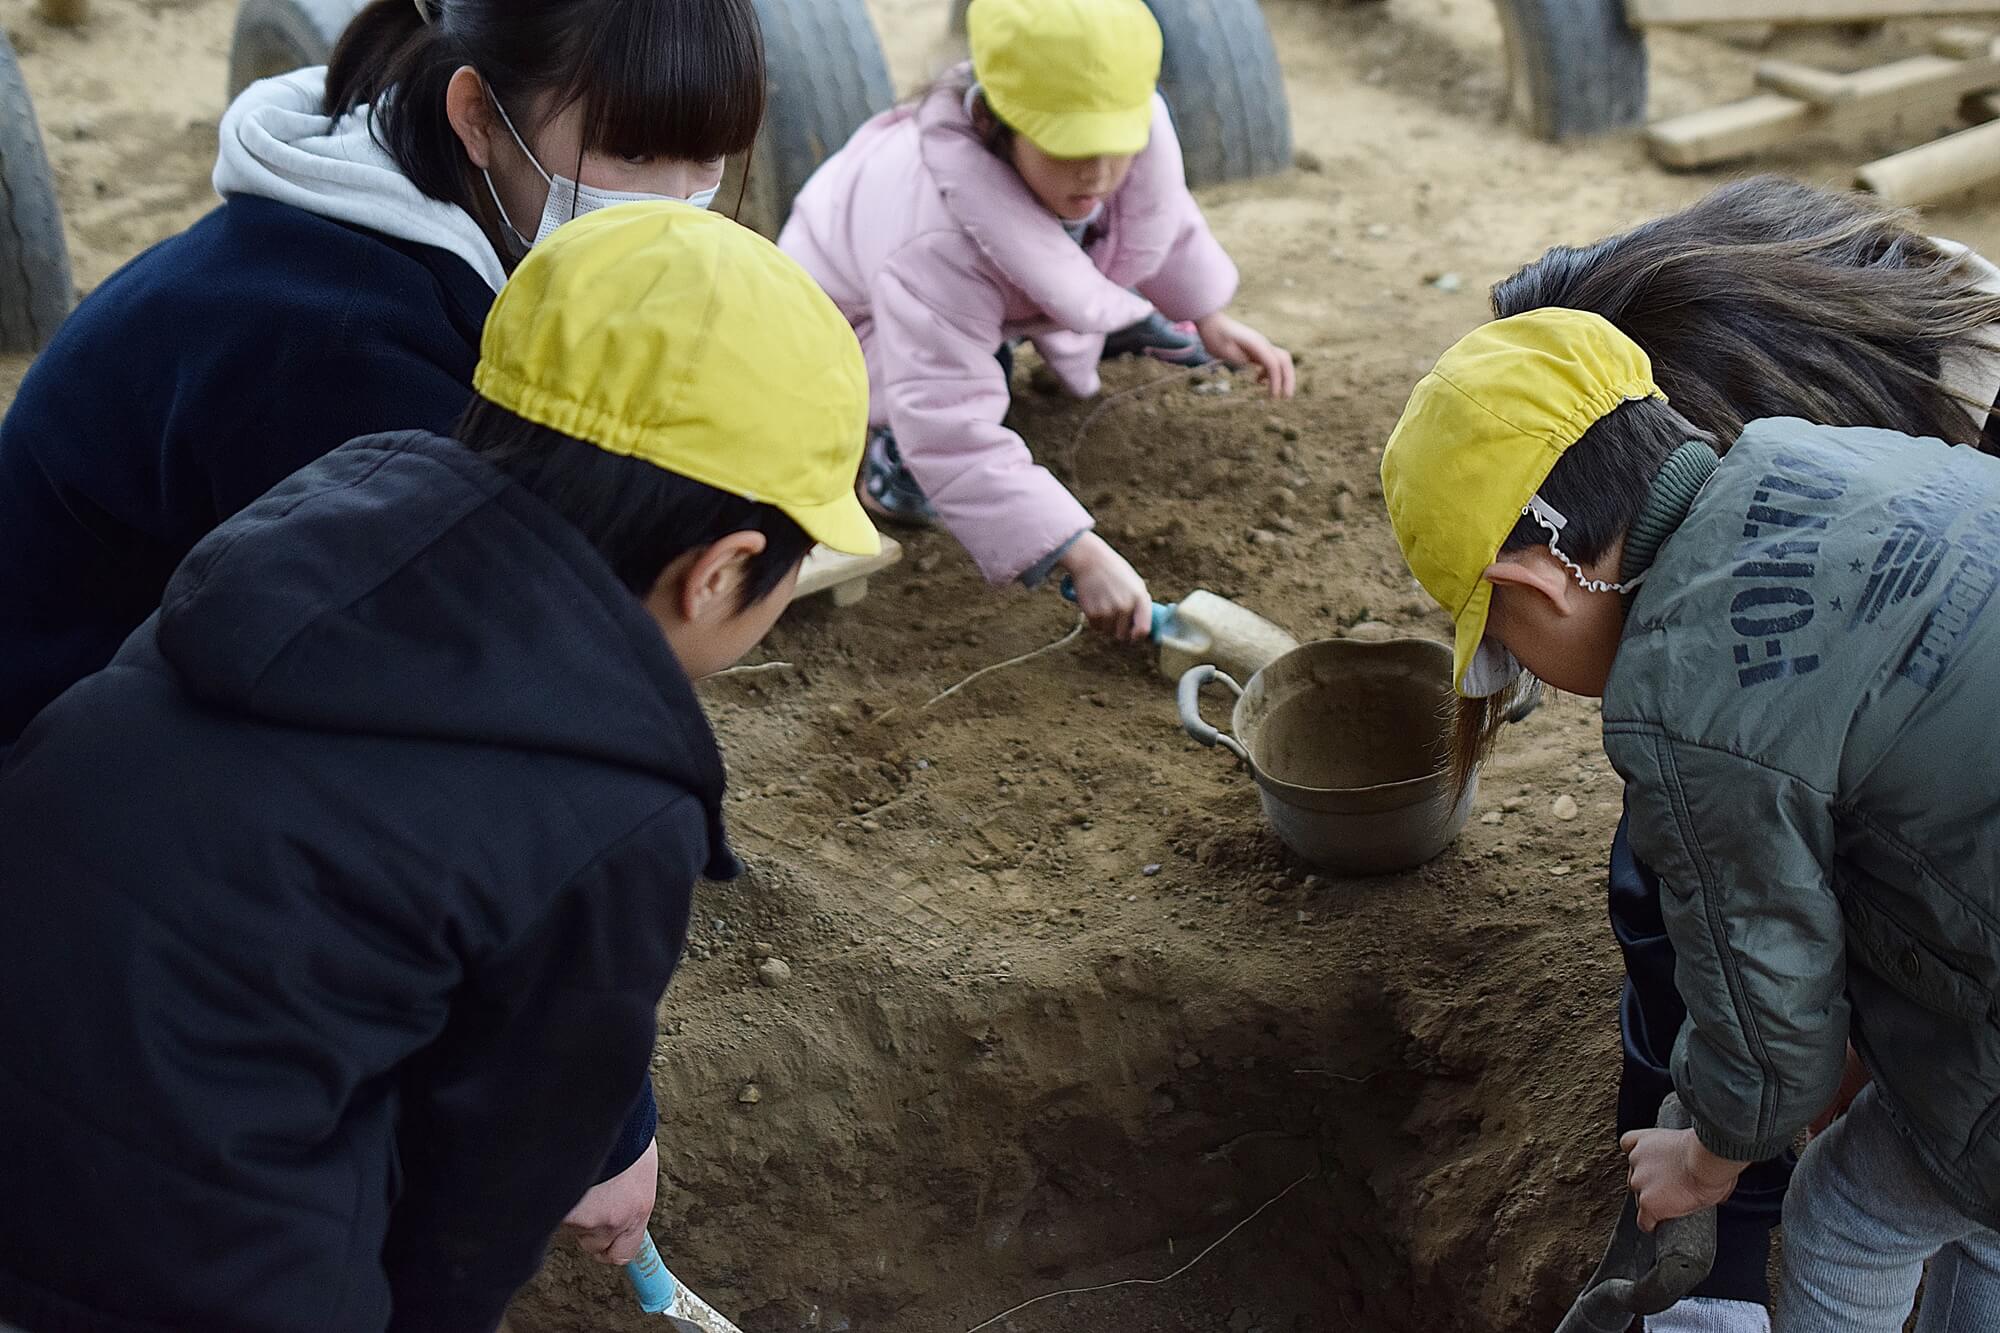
[{"x": 1702, "y": 1314}]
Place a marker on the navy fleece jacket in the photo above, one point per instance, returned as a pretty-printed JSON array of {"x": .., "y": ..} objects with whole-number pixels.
[
  {"x": 334, "y": 915},
  {"x": 197, "y": 377}
]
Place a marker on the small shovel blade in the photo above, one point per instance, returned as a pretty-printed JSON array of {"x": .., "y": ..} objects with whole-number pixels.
[{"x": 661, "y": 1293}]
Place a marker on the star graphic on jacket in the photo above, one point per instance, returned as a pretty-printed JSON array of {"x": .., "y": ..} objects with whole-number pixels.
[
  {"x": 1835, "y": 604},
  {"x": 1856, "y": 567}
]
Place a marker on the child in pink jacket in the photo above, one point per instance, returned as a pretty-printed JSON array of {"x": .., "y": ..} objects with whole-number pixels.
[{"x": 1036, "y": 194}]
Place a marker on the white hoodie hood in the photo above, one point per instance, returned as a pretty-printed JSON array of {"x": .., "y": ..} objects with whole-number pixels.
[{"x": 276, "y": 144}]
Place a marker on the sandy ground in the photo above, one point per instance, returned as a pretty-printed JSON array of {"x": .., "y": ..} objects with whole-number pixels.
[{"x": 1061, "y": 1011}]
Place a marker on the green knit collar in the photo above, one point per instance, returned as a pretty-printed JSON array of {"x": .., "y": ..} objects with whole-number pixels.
[{"x": 1675, "y": 487}]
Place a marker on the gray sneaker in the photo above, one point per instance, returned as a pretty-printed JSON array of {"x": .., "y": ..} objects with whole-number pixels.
[{"x": 887, "y": 487}]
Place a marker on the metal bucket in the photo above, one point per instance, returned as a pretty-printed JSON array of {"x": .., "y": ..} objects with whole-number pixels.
[{"x": 1347, "y": 743}]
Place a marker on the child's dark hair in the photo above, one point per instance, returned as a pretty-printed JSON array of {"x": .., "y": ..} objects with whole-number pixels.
[
  {"x": 1772, "y": 298},
  {"x": 995, "y": 133},
  {"x": 641, "y": 518},
  {"x": 1600, "y": 485},
  {"x": 680, "y": 79}
]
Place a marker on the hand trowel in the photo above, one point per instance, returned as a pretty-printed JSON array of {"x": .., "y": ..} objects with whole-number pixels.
[
  {"x": 1203, "y": 629},
  {"x": 661, "y": 1293}
]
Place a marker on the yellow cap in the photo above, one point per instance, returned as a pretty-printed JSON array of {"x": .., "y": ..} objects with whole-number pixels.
[
  {"x": 1075, "y": 76},
  {"x": 1482, "y": 433},
  {"x": 669, "y": 334}
]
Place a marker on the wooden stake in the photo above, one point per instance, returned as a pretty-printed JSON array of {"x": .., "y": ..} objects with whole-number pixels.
[
  {"x": 1693, "y": 13},
  {"x": 1817, "y": 86},
  {"x": 1923, "y": 91},
  {"x": 1937, "y": 171},
  {"x": 1962, "y": 43}
]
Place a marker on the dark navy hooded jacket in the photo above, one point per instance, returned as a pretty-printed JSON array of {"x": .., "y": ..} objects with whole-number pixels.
[
  {"x": 334, "y": 914},
  {"x": 197, "y": 377}
]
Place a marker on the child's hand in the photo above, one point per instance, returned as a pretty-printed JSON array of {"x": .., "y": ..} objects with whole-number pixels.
[
  {"x": 610, "y": 1221},
  {"x": 1672, "y": 1175},
  {"x": 1232, "y": 340},
  {"x": 1109, "y": 591}
]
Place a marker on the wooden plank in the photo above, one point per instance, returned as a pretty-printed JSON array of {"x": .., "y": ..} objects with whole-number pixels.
[
  {"x": 829, "y": 571},
  {"x": 1963, "y": 43},
  {"x": 1920, "y": 91},
  {"x": 1820, "y": 87},
  {"x": 1936, "y": 171},
  {"x": 1693, "y": 13}
]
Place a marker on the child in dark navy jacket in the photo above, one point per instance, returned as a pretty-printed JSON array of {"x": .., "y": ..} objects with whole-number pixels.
[{"x": 334, "y": 912}]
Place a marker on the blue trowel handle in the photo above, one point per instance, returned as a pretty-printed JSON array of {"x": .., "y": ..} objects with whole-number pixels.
[
  {"x": 1162, "y": 611},
  {"x": 651, "y": 1282}
]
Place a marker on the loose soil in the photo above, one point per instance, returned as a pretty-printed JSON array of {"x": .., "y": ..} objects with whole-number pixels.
[{"x": 1061, "y": 1011}]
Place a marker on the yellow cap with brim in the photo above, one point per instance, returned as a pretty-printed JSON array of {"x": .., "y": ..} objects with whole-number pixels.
[
  {"x": 1481, "y": 434},
  {"x": 1076, "y": 77},
  {"x": 665, "y": 333}
]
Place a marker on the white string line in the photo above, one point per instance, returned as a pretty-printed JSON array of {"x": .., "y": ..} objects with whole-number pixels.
[
  {"x": 750, "y": 670},
  {"x": 1152, "y": 1281},
  {"x": 1063, "y": 642}
]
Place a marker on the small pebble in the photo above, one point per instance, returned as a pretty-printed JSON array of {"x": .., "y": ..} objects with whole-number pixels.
[
  {"x": 1448, "y": 282},
  {"x": 1263, "y": 537},
  {"x": 1305, "y": 918},
  {"x": 870, "y": 826},
  {"x": 760, "y": 951},
  {"x": 1371, "y": 631},
  {"x": 751, "y": 1095},
  {"x": 1492, "y": 817},
  {"x": 1187, "y": 1060},
  {"x": 1343, "y": 505},
  {"x": 774, "y": 972},
  {"x": 1564, "y": 807},
  {"x": 1377, "y": 231},
  {"x": 1161, "y": 1104},
  {"x": 1305, "y": 161},
  {"x": 1283, "y": 499},
  {"x": 1514, "y": 805},
  {"x": 1151, "y": 870}
]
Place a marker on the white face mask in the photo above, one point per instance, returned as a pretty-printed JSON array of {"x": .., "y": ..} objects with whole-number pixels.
[{"x": 570, "y": 199}]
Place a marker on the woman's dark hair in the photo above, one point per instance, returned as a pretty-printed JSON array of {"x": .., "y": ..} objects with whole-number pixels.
[
  {"x": 1599, "y": 486},
  {"x": 641, "y": 518},
  {"x": 1773, "y": 298},
  {"x": 679, "y": 79}
]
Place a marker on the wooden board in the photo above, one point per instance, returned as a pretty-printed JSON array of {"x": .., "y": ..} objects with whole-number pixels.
[
  {"x": 1691, "y": 13},
  {"x": 1922, "y": 91},
  {"x": 845, "y": 576},
  {"x": 1937, "y": 171}
]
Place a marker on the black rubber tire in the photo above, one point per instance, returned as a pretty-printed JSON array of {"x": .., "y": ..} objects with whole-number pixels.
[
  {"x": 279, "y": 36},
  {"x": 36, "y": 293},
  {"x": 826, "y": 77},
  {"x": 1574, "y": 67},
  {"x": 1221, "y": 81}
]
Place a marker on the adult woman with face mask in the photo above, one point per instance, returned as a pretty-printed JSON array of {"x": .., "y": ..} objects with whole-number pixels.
[{"x": 370, "y": 211}]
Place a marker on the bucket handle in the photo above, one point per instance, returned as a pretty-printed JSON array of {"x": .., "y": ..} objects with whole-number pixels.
[{"x": 1191, "y": 687}]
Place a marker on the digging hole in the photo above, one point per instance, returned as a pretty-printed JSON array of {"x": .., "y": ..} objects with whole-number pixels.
[{"x": 928, "y": 1167}]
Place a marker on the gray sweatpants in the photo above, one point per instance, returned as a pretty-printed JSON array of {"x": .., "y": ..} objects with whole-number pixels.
[{"x": 1862, "y": 1218}]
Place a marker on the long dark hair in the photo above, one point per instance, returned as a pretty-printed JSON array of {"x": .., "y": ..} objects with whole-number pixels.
[
  {"x": 1773, "y": 298},
  {"x": 1765, "y": 298},
  {"x": 679, "y": 79}
]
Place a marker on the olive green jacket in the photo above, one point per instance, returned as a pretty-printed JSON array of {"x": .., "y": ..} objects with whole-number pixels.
[{"x": 1806, "y": 710}]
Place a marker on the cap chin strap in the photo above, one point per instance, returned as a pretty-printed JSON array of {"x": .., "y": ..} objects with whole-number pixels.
[{"x": 1550, "y": 518}]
